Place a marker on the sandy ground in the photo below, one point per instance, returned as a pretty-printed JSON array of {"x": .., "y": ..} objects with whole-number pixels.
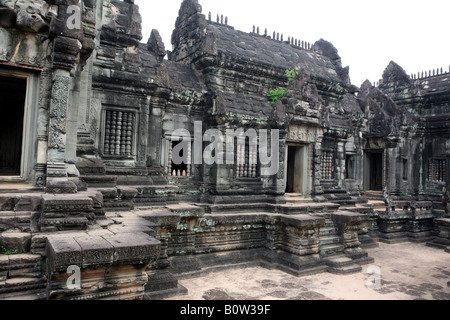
[{"x": 404, "y": 271}]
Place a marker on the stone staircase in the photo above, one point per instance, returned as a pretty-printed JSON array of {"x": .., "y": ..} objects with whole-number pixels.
[
  {"x": 294, "y": 204},
  {"x": 21, "y": 278},
  {"x": 20, "y": 270},
  {"x": 338, "y": 195},
  {"x": 332, "y": 251}
]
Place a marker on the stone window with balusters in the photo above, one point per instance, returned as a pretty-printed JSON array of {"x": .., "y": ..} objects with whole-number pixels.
[{"x": 119, "y": 133}]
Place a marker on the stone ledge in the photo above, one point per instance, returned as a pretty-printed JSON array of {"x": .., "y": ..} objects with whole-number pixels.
[{"x": 84, "y": 251}]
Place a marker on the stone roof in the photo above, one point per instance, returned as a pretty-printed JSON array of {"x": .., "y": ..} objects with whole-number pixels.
[
  {"x": 436, "y": 84},
  {"x": 183, "y": 76},
  {"x": 264, "y": 50},
  {"x": 248, "y": 104}
]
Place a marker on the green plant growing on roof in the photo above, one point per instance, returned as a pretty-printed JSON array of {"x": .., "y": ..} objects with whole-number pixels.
[
  {"x": 278, "y": 94},
  {"x": 291, "y": 74}
]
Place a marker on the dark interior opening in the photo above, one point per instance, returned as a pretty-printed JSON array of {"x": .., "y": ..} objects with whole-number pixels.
[
  {"x": 12, "y": 105},
  {"x": 181, "y": 168},
  {"x": 290, "y": 169},
  {"x": 376, "y": 171}
]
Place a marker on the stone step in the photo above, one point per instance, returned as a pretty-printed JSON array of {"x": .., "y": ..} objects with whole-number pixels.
[
  {"x": 296, "y": 198},
  {"x": 334, "y": 190},
  {"x": 340, "y": 264},
  {"x": 330, "y": 249},
  {"x": 17, "y": 288},
  {"x": 326, "y": 240},
  {"x": 327, "y": 231},
  {"x": 359, "y": 200},
  {"x": 99, "y": 181},
  {"x": 373, "y": 195},
  {"x": 353, "y": 268},
  {"x": 21, "y": 265},
  {"x": 338, "y": 261},
  {"x": 18, "y": 220}
]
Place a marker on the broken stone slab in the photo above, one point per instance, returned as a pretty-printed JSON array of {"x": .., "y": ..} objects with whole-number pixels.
[
  {"x": 131, "y": 229},
  {"x": 20, "y": 242},
  {"x": 132, "y": 220},
  {"x": 160, "y": 218}
]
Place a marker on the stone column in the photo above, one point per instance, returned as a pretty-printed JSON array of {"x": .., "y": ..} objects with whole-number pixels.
[
  {"x": 72, "y": 46},
  {"x": 57, "y": 178}
]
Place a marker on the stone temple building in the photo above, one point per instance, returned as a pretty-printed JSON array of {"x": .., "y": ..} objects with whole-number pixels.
[{"x": 95, "y": 120}]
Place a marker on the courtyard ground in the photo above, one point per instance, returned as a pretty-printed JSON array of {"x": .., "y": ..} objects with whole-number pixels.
[{"x": 403, "y": 271}]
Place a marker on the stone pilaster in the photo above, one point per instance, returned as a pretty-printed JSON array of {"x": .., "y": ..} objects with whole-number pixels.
[{"x": 57, "y": 178}]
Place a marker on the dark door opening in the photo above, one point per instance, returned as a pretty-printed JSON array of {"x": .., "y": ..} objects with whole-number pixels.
[
  {"x": 179, "y": 168},
  {"x": 12, "y": 106},
  {"x": 296, "y": 181},
  {"x": 290, "y": 176},
  {"x": 376, "y": 171}
]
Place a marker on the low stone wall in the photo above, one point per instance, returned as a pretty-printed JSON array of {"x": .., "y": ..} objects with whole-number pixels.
[
  {"x": 406, "y": 221},
  {"x": 204, "y": 242}
]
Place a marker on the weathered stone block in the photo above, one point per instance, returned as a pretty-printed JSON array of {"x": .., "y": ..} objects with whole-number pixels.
[
  {"x": 134, "y": 248},
  {"x": 31, "y": 22},
  {"x": 63, "y": 252},
  {"x": 16, "y": 241},
  {"x": 95, "y": 251}
]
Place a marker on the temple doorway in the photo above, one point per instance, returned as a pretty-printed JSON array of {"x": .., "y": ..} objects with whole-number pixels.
[
  {"x": 373, "y": 173},
  {"x": 13, "y": 94},
  {"x": 296, "y": 166}
]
